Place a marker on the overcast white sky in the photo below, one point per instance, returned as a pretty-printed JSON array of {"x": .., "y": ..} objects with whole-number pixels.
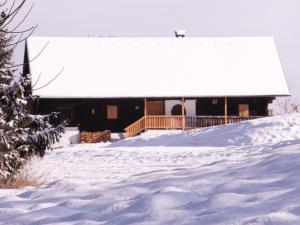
[{"x": 278, "y": 18}]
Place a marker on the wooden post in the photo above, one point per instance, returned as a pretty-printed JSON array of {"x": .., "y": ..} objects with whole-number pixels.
[
  {"x": 182, "y": 113},
  {"x": 226, "y": 111},
  {"x": 145, "y": 107},
  {"x": 145, "y": 112}
]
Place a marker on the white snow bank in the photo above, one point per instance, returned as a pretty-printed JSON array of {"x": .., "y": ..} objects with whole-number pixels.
[
  {"x": 255, "y": 132},
  {"x": 170, "y": 178},
  {"x": 70, "y": 136}
]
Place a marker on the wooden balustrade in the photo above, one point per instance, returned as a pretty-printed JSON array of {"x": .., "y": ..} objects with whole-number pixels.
[
  {"x": 208, "y": 121},
  {"x": 135, "y": 128},
  {"x": 163, "y": 122},
  {"x": 175, "y": 122}
]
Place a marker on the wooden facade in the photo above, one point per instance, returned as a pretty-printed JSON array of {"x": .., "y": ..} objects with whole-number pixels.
[
  {"x": 116, "y": 114},
  {"x": 93, "y": 114}
]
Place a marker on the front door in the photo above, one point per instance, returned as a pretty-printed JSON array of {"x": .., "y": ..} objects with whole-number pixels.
[
  {"x": 155, "y": 107},
  {"x": 243, "y": 110}
]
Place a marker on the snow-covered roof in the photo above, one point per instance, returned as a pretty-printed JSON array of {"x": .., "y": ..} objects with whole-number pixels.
[{"x": 155, "y": 67}]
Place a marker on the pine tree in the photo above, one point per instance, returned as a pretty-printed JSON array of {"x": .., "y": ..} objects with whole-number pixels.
[{"x": 21, "y": 134}]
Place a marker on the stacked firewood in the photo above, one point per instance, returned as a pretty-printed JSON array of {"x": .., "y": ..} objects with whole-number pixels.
[{"x": 95, "y": 137}]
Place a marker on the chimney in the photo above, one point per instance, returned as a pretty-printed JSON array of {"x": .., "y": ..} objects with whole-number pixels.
[{"x": 180, "y": 33}]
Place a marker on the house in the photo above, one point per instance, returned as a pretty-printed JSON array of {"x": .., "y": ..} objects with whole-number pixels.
[{"x": 138, "y": 83}]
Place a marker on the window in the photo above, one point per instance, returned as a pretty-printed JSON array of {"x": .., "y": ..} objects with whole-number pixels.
[
  {"x": 177, "y": 110},
  {"x": 112, "y": 112},
  {"x": 215, "y": 101},
  {"x": 68, "y": 112}
]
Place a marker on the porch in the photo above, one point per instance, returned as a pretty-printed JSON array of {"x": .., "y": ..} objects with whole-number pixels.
[
  {"x": 180, "y": 122},
  {"x": 155, "y": 118}
]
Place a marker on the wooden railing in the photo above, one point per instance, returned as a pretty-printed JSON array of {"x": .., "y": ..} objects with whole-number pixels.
[
  {"x": 208, "y": 121},
  {"x": 176, "y": 122},
  {"x": 163, "y": 122},
  {"x": 135, "y": 128}
]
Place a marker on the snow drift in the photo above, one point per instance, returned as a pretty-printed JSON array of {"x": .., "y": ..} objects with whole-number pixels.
[
  {"x": 246, "y": 173},
  {"x": 256, "y": 132}
]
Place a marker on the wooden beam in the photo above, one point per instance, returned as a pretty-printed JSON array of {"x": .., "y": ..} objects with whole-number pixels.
[
  {"x": 145, "y": 113},
  {"x": 226, "y": 111},
  {"x": 182, "y": 113},
  {"x": 145, "y": 106}
]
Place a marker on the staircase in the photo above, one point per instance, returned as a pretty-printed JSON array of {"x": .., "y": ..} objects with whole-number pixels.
[{"x": 135, "y": 128}]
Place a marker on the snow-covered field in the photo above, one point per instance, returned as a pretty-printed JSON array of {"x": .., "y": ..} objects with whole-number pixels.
[{"x": 246, "y": 173}]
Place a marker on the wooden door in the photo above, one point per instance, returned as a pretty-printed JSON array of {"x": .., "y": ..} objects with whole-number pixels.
[
  {"x": 155, "y": 107},
  {"x": 243, "y": 110}
]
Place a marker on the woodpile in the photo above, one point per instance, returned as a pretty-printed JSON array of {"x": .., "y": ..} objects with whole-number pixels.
[{"x": 95, "y": 137}]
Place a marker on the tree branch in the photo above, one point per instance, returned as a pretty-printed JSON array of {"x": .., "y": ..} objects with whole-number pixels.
[
  {"x": 53, "y": 79},
  {"x": 10, "y": 44},
  {"x": 24, "y": 18},
  {"x": 31, "y": 60},
  {"x": 32, "y": 86},
  {"x": 11, "y": 15},
  {"x": 3, "y": 4}
]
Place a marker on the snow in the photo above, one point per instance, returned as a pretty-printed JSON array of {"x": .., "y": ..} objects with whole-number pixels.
[
  {"x": 189, "y": 67},
  {"x": 238, "y": 174},
  {"x": 70, "y": 136}
]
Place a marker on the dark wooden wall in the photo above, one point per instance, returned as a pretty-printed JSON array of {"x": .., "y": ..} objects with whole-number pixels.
[
  {"x": 79, "y": 112},
  {"x": 258, "y": 106},
  {"x": 205, "y": 107},
  {"x": 129, "y": 110}
]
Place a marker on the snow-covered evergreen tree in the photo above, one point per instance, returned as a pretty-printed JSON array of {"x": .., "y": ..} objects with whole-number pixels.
[{"x": 21, "y": 134}]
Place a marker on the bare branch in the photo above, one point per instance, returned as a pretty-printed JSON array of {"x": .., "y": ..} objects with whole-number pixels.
[
  {"x": 3, "y": 4},
  {"x": 35, "y": 83},
  {"x": 12, "y": 6},
  {"x": 286, "y": 105},
  {"x": 12, "y": 15},
  {"x": 24, "y": 18},
  {"x": 13, "y": 48},
  {"x": 53, "y": 79},
  {"x": 11, "y": 44},
  {"x": 30, "y": 60},
  {"x": 18, "y": 32}
]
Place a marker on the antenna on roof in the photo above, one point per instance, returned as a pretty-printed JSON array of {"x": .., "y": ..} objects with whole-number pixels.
[{"x": 180, "y": 33}]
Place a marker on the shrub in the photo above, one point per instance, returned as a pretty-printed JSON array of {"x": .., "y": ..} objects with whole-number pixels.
[{"x": 20, "y": 180}]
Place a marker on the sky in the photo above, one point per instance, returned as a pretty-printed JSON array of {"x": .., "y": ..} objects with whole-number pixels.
[{"x": 155, "y": 18}]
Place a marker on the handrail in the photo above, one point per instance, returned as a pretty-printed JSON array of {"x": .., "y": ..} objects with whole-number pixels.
[
  {"x": 135, "y": 122},
  {"x": 135, "y": 128},
  {"x": 208, "y": 121},
  {"x": 177, "y": 122}
]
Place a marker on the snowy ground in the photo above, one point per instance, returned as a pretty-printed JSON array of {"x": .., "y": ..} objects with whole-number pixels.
[{"x": 247, "y": 173}]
